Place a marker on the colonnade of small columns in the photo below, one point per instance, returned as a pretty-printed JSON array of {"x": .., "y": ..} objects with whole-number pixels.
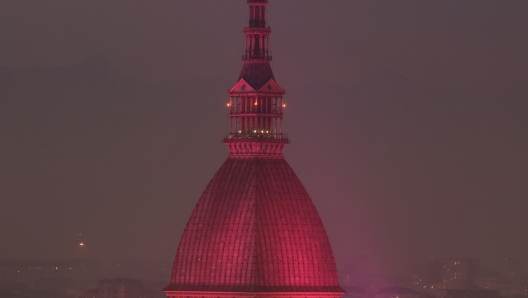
[
  {"x": 257, "y": 35},
  {"x": 257, "y": 45},
  {"x": 255, "y": 148},
  {"x": 257, "y": 14},
  {"x": 250, "y": 115}
]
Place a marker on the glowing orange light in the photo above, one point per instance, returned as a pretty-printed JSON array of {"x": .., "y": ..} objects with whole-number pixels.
[
  {"x": 283, "y": 105},
  {"x": 81, "y": 244},
  {"x": 228, "y": 104},
  {"x": 256, "y": 103}
]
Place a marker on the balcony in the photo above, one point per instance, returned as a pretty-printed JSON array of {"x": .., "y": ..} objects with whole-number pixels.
[{"x": 256, "y": 137}]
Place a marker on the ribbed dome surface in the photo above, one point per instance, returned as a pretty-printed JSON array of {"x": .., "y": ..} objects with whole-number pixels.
[{"x": 254, "y": 229}]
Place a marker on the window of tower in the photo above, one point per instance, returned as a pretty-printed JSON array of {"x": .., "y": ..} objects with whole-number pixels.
[{"x": 256, "y": 48}]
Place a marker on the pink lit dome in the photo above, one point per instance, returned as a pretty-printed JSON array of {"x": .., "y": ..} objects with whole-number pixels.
[{"x": 255, "y": 231}]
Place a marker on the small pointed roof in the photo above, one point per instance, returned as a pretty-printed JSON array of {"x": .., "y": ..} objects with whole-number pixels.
[
  {"x": 256, "y": 74},
  {"x": 268, "y": 87},
  {"x": 272, "y": 87},
  {"x": 257, "y": 57},
  {"x": 241, "y": 87}
]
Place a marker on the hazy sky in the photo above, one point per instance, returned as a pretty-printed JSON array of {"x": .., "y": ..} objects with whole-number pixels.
[{"x": 408, "y": 122}]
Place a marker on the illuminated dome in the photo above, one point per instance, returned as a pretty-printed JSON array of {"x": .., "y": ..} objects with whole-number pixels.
[{"x": 255, "y": 231}]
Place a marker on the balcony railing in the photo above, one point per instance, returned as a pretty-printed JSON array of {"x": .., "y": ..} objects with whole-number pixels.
[
  {"x": 257, "y": 57},
  {"x": 256, "y": 137}
]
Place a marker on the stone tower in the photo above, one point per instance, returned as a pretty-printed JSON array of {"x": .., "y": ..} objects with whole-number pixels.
[{"x": 255, "y": 231}]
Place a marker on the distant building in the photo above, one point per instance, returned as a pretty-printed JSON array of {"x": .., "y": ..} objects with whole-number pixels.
[
  {"x": 148, "y": 271},
  {"x": 513, "y": 287},
  {"x": 355, "y": 272},
  {"x": 459, "y": 273},
  {"x": 469, "y": 294},
  {"x": 42, "y": 274},
  {"x": 510, "y": 268},
  {"x": 427, "y": 277},
  {"x": 356, "y": 292},
  {"x": 119, "y": 288},
  {"x": 487, "y": 282},
  {"x": 378, "y": 282},
  {"x": 396, "y": 292}
]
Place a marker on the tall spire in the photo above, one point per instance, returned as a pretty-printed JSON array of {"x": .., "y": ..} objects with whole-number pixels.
[
  {"x": 256, "y": 101},
  {"x": 257, "y": 55},
  {"x": 257, "y": 13},
  {"x": 257, "y": 34},
  {"x": 255, "y": 232}
]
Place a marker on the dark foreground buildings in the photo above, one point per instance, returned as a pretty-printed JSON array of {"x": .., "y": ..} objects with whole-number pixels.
[{"x": 255, "y": 231}]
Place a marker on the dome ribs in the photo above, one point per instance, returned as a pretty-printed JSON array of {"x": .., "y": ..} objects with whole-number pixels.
[{"x": 255, "y": 229}]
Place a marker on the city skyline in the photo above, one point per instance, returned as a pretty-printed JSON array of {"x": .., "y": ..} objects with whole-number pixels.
[{"x": 412, "y": 115}]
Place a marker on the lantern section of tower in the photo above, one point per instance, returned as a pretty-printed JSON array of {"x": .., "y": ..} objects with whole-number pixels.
[{"x": 256, "y": 102}]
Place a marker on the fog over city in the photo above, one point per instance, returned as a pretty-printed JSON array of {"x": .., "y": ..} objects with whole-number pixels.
[{"x": 407, "y": 119}]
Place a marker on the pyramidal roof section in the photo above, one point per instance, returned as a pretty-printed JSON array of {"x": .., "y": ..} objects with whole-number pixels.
[
  {"x": 241, "y": 87},
  {"x": 256, "y": 74},
  {"x": 269, "y": 87},
  {"x": 272, "y": 87}
]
